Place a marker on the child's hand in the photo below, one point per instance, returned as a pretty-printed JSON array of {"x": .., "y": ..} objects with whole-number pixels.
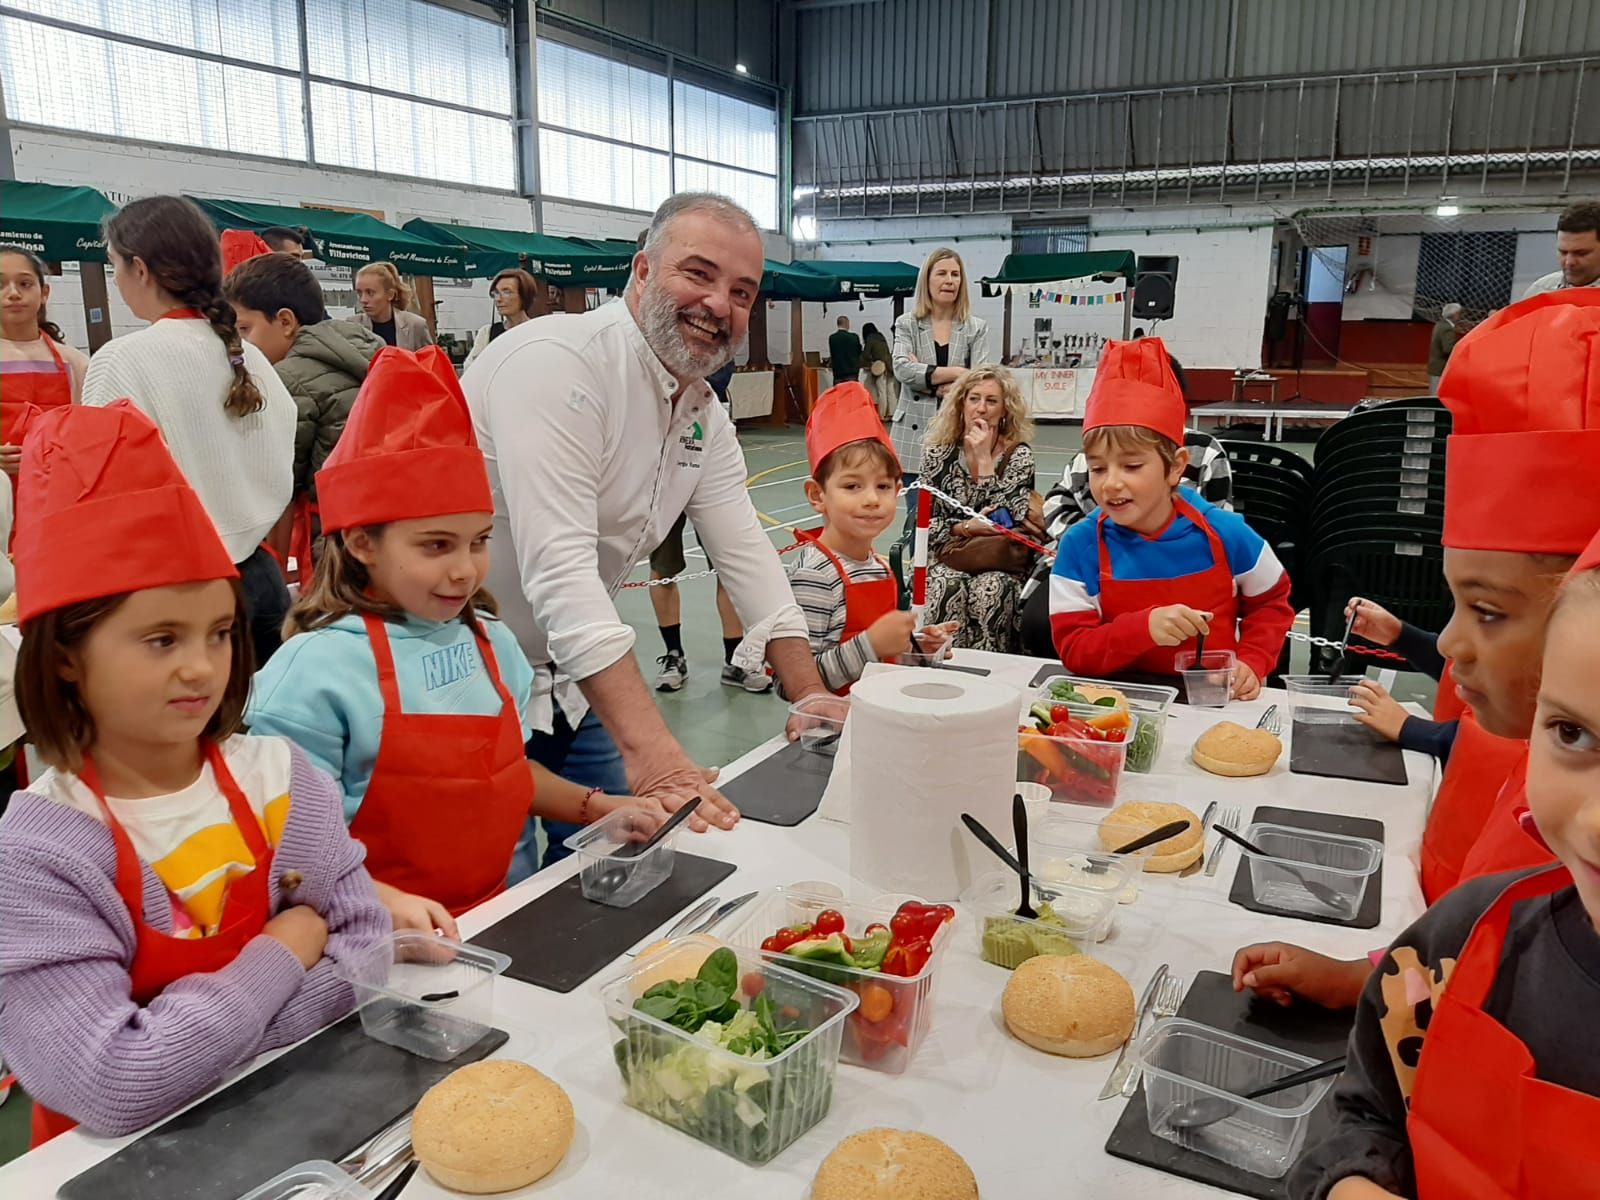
[
  {"x": 1177, "y": 623},
  {"x": 1246, "y": 685},
  {"x": 11, "y": 459},
  {"x": 890, "y": 634},
  {"x": 302, "y": 930},
  {"x": 1373, "y": 621},
  {"x": 1380, "y": 712},
  {"x": 1280, "y": 972},
  {"x": 409, "y": 911},
  {"x": 1358, "y": 1187}
]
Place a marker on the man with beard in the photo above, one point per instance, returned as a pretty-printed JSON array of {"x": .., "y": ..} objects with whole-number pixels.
[{"x": 600, "y": 432}]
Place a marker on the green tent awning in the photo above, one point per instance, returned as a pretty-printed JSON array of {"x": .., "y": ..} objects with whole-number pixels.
[
  {"x": 59, "y": 224},
  {"x": 570, "y": 262},
  {"x": 1049, "y": 268},
  {"x": 345, "y": 239},
  {"x": 872, "y": 280},
  {"x": 797, "y": 281}
]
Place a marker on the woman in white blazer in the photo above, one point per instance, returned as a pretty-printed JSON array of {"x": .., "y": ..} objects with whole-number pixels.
[
  {"x": 934, "y": 344},
  {"x": 386, "y": 300}
]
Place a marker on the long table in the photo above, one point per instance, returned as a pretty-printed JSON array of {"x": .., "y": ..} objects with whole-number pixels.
[{"x": 1025, "y": 1121}]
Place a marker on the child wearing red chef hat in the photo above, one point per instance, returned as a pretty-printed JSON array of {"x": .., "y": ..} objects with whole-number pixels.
[
  {"x": 397, "y": 679},
  {"x": 1474, "y": 1070},
  {"x": 1156, "y": 566},
  {"x": 848, "y": 593},
  {"x": 174, "y": 895}
]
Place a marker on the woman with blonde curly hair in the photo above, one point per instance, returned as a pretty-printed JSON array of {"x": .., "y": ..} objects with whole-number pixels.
[
  {"x": 977, "y": 452},
  {"x": 386, "y": 300}
]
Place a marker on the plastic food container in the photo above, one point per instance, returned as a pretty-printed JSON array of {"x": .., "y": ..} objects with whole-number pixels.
[
  {"x": 751, "y": 1110},
  {"x": 1066, "y": 845},
  {"x": 1184, "y": 1062},
  {"x": 1344, "y": 864},
  {"x": 613, "y": 871},
  {"x": 1077, "y": 770},
  {"x": 424, "y": 993},
  {"x": 820, "y": 726},
  {"x": 1207, "y": 678},
  {"x": 1150, "y": 701},
  {"x": 1008, "y": 940},
  {"x": 315, "y": 1180},
  {"x": 1315, "y": 701},
  {"x": 888, "y": 1044}
]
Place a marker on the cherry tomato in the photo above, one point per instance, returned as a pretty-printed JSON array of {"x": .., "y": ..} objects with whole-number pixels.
[
  {"x": 774, "y": 944},
  {"x": 829, "y": 921},
  {"x": 878, "y": 926},
  {"x": 753, "y": 984}
]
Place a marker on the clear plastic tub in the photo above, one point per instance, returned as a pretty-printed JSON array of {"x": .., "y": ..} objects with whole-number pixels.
[
  {"x": 1065, "y": 848},
  {"x": 819, "y": 723},
  {"x": 748, "y": 1109},
  {"x": 888, "y": 1044},
  {"x": 1207, "y": 678},
  {"x": 1344, "y": 864},
  {"x": 1008, "y": 940},
  {"x": 1184, "y": 1062},
  {"x": 1149, "y": 701},
  {"x": 424, "y": 993},
  {"x": 1313, "y": 700},
  {"x": 613, "y": 871},
  {"x": 315, "y": 1180},
  {"x": 1077, "y": 770}
]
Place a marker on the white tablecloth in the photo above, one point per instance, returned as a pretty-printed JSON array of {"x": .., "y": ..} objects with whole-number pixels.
[
  {"x": 1026, "y": 1121},
  {"x": 750, "y": 394},
  {"x": 1055, "y": 393}
]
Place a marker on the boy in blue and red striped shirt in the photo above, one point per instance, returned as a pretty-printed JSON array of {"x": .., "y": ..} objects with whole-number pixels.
[{"x": 1156, "y": 566}]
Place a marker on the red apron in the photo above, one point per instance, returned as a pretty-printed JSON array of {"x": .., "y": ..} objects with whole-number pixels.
[
  {"x": 25, "y": 395},
  {"x": 864, "y": 601},
  {"x": 1480, "y": 763},
  {"x": 1211, "y": 590},
  {"x": 1447, "y": 702},
  {"x": 1504, "y": 844},
  {"x": 160, "y": 958},
  {"x": 1481, "y": 1126},
  {"x": 449, "y": 794}
]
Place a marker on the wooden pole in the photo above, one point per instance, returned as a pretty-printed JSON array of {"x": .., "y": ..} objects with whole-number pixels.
[
  {"x": 758, "y": 335},
  {"x": 96, "y": 303},
  {"x": 574, "y": 299},
  {"x": 1005, "y": 341},
  {"x": 422, "y": 285}
]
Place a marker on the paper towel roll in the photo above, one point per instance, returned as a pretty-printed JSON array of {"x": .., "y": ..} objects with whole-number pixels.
[{"x": 926, "y": 746}]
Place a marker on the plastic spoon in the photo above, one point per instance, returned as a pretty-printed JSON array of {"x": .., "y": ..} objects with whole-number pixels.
[
  {"x": 1208, "y": 1110},
  {"x": 1321, "y": 891},
  {"x": 615, "y": 877},
  {"x": 1019, "y": 829},
  {"x": 1143, "y": 841},
  {"x": 996, "y": 847},
  {"x": 1344, "y": 645}
]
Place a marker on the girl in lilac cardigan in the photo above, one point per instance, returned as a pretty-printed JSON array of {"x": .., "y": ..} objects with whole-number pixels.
[{"x": 174, "y": 896}]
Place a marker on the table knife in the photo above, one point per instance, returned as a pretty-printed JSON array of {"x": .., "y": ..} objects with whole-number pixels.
[
  {"x": 1119, "y": 1073},
  {"x": 724, "y": 911}
]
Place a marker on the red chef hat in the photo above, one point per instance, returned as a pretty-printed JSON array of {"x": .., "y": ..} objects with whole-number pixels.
[
  {"x": 1523, "y": 389},
  {"x": 239, "y": 246},
  {"x": 1135, "y": 385},
  {"x": 407, "y": 450},
  {"x": 843, "y": 414},
  {"x": 1589, "y": 560},
  {"x": 16, "y": 419},
  {"x": 104, "y": 510}
]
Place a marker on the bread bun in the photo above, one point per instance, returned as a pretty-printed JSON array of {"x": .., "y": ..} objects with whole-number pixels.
[
  {"x": 1077, "y": 1006},
  {"x": 491, "y": 1127},
  {"x": 1128, "y": 821},
  {"x": 1231, "y": 749},
  {"x": 889, "y": 1164}
]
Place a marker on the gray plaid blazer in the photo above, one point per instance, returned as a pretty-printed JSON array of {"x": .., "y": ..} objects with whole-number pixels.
[{"x": 913, "y": 339}]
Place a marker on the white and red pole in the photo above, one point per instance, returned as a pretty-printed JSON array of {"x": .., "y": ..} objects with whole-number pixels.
[{"x": 919, "y": 554}]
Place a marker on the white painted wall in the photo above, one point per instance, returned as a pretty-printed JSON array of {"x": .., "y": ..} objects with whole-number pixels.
[
  {"x": 1390, "y": 290},
  {"x": 1536, "y": 256}
]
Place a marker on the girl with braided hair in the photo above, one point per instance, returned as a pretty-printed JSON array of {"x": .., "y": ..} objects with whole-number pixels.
[{"x": 224, "y": 413}]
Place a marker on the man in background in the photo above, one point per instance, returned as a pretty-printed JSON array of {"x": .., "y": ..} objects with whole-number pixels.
[
  {"x": 844, "y": 352},
  {"x": 1446, "y": 333},
  {"x": 1578, "y": 246},
  {"x": 284, "y": 240}
]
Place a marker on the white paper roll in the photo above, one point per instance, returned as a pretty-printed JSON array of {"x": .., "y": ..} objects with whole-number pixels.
[{"x": 925, "y": 747}]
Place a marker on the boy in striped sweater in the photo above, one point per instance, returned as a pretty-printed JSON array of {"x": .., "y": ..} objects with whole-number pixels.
[{"x": 1157, "y": 566}]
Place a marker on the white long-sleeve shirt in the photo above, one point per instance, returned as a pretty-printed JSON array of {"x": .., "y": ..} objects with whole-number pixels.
[
  {"x": 592, "y": 463},
  {"x": 177, "y": 372}
]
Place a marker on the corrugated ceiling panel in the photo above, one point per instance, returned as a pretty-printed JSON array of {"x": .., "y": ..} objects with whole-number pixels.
[
  {"x": 893, "y": 53},
  {"x": 1283, "y": 37},
  {"x": 1561, "y": 27}
]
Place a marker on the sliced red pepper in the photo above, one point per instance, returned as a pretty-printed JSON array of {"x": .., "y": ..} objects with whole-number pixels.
[{"x": 907, "y": 958}]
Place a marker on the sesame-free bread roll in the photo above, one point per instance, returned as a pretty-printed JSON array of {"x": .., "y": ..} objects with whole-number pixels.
[
  {"x": 1128, "y": 821},
  {"x": 491, "y": 1127},
  {"x": 890, "y": 1164},
  {"x": 1230, "y": 749},
  {"x": 1077, "y": 1006}
]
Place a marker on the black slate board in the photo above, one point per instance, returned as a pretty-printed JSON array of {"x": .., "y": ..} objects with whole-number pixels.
[
  {"x": 1345, "y": 752},
  {"x": 322, "y": 1099},
  {"x": 1303, "y": 1028},
  {"x": 1371, "y": 903},
  {"x": 782, "y": 789},
  {"x": 561, "y": 939}
]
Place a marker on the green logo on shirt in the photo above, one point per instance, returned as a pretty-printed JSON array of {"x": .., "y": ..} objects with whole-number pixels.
[
  {"x": 696, "y": 432},
  {"x": 692, "y": 442}
]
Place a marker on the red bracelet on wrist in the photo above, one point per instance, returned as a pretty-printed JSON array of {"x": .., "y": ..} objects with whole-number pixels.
[{"x": 583, "y": 809}]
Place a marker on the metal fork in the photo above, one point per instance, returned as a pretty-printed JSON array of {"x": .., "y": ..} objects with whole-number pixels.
[
  {"x": 1270, "y": 720},
  {"x": 1168, "y": 997},
  {"x": 1231, "y": 817}
]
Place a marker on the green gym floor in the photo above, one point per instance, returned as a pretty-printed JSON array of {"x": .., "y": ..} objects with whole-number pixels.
[{"x": 717, "y": 724}]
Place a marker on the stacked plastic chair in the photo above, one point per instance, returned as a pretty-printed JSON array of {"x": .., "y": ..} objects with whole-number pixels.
[
  {"x": 1376, "y": 517},
  {"x": 1272, "y": 492}
]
